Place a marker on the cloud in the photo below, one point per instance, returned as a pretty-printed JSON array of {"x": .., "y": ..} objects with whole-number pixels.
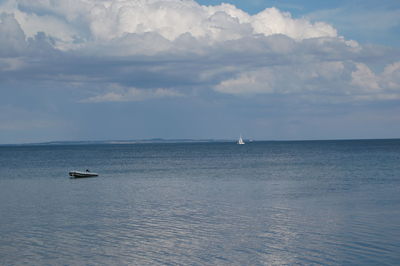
[
  {"x": 75, "y": 22},
  {"x": 347, "y": 81},
  {"x": 304, "y": 78},
  {"x": 390, "y": 77},
  {"x": 185, "y": 49},
  {"x": 132, "y": 95},
  {"x": 384, "y": 86},
  {"x": 12, "y": 38},
  {"x": 272, "y": 21},
  {"x": 364, "y": 78},
  {"x": 11, "y": 64}
]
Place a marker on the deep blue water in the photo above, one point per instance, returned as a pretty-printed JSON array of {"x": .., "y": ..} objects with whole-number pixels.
[{"x": 310, "y": 202}]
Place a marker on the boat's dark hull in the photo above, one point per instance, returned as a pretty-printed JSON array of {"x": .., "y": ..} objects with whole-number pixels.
[{"x": 82, "y": 174}]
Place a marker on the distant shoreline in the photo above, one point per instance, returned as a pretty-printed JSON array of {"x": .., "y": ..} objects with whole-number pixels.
[{"x": 116, "y": 142}]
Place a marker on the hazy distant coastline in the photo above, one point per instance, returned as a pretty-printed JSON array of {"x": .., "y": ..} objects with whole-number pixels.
[{"x": 141, "y": 141}]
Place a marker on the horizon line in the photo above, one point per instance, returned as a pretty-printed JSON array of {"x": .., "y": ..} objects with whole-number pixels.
[{"x": 172, "y": 140}]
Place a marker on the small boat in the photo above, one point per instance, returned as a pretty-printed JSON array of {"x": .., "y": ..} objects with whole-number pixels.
[
  {"x": 80, "y": 174},
  {"x": 240, "y": 141}
]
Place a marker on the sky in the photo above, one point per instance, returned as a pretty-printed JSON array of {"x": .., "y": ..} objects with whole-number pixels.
[{"x": 138, "y": 69}]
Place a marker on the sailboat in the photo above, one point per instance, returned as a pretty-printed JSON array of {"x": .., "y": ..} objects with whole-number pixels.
[{"x": 240, "y": 141}]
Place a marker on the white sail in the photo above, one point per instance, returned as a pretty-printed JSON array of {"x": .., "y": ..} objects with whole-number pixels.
[{"x": 240, "y": 141}]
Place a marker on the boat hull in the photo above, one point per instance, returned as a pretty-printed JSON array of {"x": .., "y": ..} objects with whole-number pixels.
[{"x": 78, "y": 174}]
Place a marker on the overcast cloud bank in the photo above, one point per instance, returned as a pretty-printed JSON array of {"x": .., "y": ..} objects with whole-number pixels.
[{"x": 280, "y": 54}]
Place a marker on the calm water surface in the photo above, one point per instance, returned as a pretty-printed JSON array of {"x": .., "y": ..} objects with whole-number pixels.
[{"x": 317, "y": 202}]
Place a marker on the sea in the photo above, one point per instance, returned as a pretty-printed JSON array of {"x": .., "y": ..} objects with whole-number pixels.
[{"x": 206, "y": 203}]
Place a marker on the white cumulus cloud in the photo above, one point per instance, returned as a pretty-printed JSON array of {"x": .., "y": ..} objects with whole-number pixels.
[
  {"x": 272, "y": 21},
  {"x": 73, "y": 23}
]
